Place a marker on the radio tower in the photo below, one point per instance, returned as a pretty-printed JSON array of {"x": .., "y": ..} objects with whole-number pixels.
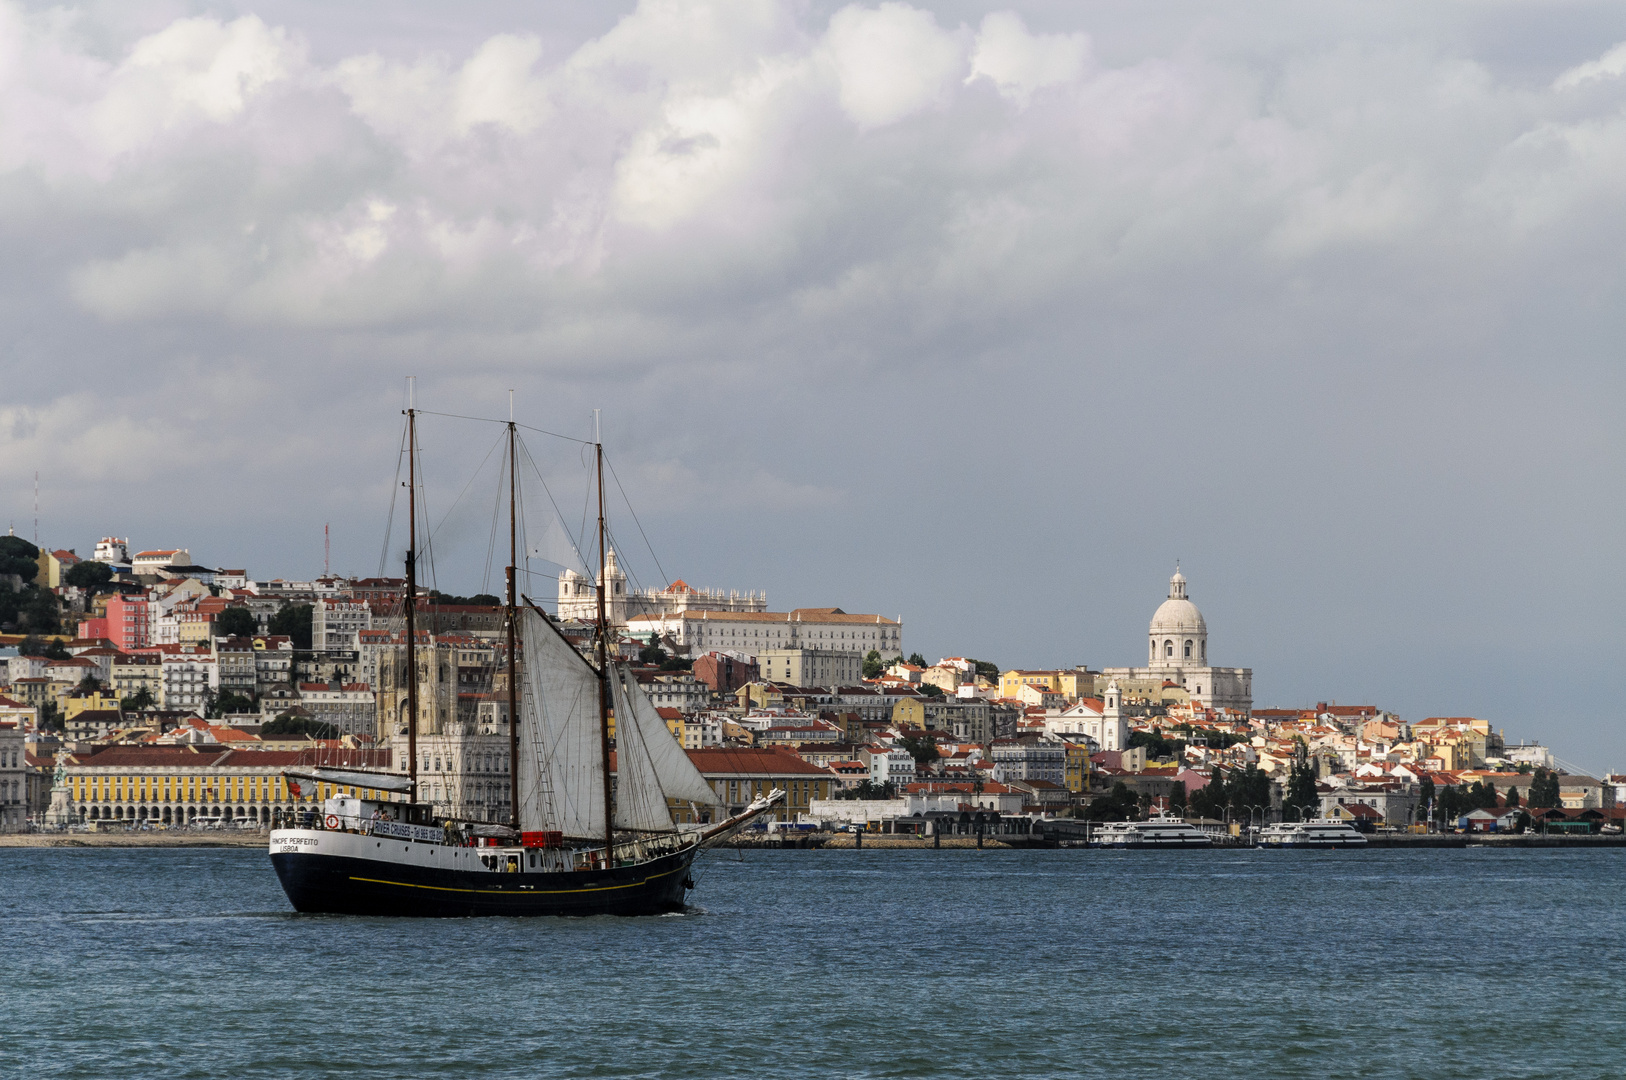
[{"x": 326, "y": 550}]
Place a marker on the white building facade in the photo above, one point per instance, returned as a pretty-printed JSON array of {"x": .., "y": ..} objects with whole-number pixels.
[
  {"x": 749, "y": 633},
  {"x": 578, "y": 598}
]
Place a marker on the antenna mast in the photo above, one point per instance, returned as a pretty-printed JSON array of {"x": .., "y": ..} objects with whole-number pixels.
[{"x": 603, "y": 654}]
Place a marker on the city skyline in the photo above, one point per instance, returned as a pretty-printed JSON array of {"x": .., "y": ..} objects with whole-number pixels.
[{"x": 989, "y": 343}]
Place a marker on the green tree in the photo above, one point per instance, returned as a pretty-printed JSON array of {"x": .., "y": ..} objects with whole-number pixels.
[
  {"x": 1158, "y": 747},
  {"x": 51, "y": 717},
  {"x": 31, "y": 645},
  {"x": 1209, "y": 800},
  {"x": 1544, "y": 790},
  {"x": 873, "y": 664},
  {"x": 289, "y": 724},
  {"x": 39, "y": 611},
  {"x": 1512, "y": 798},
  {"x": 141, "y": 699},
  {"x": 435, "y": 596},
  {"x": 55, "y": 650},
  {"x": 294, "y": 623},
  {"x": 652, "y": 655},
  {"x": 237, "y": 621},
  {"x": 917, "y": 660},
  {"x": 88, "y": 575},
  {"x": 1425, "y": 796},
  {"x": 986, "y": 669},
  {"x": 227, "y": 702},
  {"x": 1177, "y": 799},
  {"x": 864, "y": 789},
  {"x": 923, "y": 748},
  {"x": 1247, "y": 788},
  {"x": 18, "y": 556},
  {"x": 1300, "y": 782},
  {"x": 931, "y": 689},
  {"x": 89, "y": 685}
]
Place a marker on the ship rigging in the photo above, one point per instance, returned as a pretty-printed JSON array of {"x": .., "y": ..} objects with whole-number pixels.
[{"x": 589, "y": 829}]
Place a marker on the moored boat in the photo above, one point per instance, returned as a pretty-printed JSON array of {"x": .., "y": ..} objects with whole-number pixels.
[
  {"x": 1316, "y": 833},
  {"x": 1160, "y": 831}
]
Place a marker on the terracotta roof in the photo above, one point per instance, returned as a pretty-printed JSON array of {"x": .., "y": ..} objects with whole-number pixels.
[{"x": 753, "y": 762}]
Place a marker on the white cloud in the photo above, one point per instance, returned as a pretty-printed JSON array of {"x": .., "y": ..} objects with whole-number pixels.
[
  {"x": 1611, "y": 65},
  {"x": 1019, "y": 63},
  {"x": 891, "y": 62}
]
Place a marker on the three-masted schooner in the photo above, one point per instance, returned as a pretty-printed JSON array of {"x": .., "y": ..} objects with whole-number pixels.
[{"x": 591, "y": 830}]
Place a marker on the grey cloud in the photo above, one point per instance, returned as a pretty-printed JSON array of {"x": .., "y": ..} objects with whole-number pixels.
[{"x": 981, "y": 319}]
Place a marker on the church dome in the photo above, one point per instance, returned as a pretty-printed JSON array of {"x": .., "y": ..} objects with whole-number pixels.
[{"x": 1177, "y": 614}]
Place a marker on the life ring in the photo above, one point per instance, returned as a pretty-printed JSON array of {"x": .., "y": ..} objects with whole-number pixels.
[{"x": 331, "y": 821}]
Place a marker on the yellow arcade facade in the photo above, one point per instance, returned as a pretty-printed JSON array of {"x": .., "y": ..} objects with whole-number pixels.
[{"x": 180, "y": 785}]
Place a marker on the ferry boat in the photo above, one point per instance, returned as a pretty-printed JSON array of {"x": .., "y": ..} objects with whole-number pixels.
[
  {"x": 1162, "y": 831},
  {"x": 577, "y": 842},
  {"x": 1316, "y": 833}
]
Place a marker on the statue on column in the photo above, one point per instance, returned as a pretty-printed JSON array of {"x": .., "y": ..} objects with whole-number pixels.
[{"x": 61, "y": 811}]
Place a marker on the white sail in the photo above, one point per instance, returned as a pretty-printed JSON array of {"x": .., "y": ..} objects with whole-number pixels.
[
  {"x": 561, "y": 757},
  {"x": 651, "y": 766}
]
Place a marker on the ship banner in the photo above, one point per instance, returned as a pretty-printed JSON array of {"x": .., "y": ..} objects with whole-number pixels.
[{"x": 403, "y": 831}]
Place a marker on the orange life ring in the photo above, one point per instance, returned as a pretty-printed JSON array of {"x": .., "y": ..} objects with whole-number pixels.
[{"x": 331, "y": 821}]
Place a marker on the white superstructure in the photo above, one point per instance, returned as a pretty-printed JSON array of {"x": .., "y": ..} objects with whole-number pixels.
[
  {"x": 1162, "y": 831},
  {"x": 1317, "y": 833}
]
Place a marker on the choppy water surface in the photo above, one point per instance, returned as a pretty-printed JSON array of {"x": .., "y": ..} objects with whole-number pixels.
[{"x": 1439, "y": 964}]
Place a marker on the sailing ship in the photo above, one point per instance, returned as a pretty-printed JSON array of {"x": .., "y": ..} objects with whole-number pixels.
[{"x": 590, "y": 829}]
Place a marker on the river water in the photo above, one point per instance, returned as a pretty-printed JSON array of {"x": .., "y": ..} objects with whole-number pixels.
[{"x": 1438, "y": 964}]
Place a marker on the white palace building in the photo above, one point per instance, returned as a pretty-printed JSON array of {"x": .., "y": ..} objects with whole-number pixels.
[
  {"x": 579, "y": 600},
  {"x": 1177, "y": 652}
]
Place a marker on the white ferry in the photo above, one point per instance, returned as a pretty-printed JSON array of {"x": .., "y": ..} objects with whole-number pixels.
[
  {"x": 1162, "y": 831},
  {"x": 1317, "y": 833}
]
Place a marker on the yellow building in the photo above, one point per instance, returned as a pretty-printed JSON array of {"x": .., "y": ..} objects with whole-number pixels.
[
  {"x": 52, "y": 566},
  {"x": 1069, "y": 683},
  {"x": 1076, "y": 767},
  {"x": 73, "y": 704},
  {"x": 909, "y": 713},
  {"x": 177, "y": 785},
  {"x": 760, "y": 695}
]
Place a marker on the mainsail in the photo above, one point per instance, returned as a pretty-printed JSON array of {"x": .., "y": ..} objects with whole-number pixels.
[
  {"x": 651, "y": 765},
  {"x": 561, "y": 761}
]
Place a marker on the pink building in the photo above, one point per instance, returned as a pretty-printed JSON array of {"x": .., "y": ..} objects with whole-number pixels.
[{"x": 126, "y": 623}]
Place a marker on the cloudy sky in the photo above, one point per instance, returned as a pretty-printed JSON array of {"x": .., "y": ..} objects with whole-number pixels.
[{"x": 983, "y": 319}]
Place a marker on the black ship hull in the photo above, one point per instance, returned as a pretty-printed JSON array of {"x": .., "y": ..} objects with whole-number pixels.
[{"x": 342, "y": 885}]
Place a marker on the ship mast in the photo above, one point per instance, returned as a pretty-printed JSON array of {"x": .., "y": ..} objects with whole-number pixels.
[
  {"x": 513, "y": 621},
  {"x": 603, "y": 654},
  {"x": 411, "y": 599}
]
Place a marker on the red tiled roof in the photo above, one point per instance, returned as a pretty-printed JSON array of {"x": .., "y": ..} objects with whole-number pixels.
[{"x": 754, "y": 762}]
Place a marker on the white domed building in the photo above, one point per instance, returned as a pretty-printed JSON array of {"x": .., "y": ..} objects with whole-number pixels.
[{"x": 1177, "y": 652}]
